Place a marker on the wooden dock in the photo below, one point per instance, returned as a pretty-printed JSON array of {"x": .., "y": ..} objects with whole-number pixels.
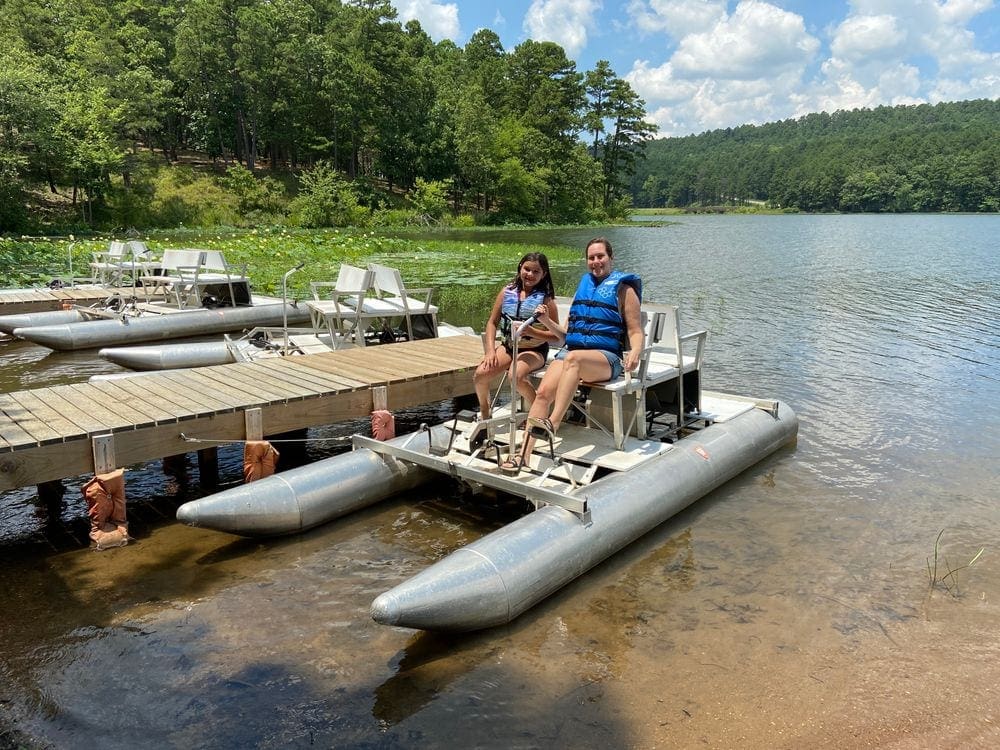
[
  {"x": 52, "y": 433},
  {"x": 22, "y": 301}
]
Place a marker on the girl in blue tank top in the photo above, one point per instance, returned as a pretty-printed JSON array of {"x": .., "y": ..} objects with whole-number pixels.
[{"x": 515, "y": 303}]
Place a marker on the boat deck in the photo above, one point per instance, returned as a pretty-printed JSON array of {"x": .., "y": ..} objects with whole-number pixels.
[
  {"x": 63, "y": 431},
  {"x": 553, "y": 474}
]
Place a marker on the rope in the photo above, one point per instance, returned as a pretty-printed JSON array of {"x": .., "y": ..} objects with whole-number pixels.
[{"x": 341, "y": 438}]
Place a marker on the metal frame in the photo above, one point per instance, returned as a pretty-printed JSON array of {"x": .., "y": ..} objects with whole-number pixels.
[{"x": 468, "y": 473}]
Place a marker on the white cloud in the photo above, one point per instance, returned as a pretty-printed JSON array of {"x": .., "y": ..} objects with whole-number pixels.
[
  {"x": 438, "y": 20},
  {"x": 865, "y": 37},
  {"x": 758, "y": 39},
  {"x": 677, "y": 18},
  {"x": 565, "y": 22},
  {"x": 760, "y": 64}
]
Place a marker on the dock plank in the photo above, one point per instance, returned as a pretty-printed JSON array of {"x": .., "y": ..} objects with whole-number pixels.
[
  {"x": 182, "y": 398},
  {"x": 87, "y": 400},
  {"x": 330, "y": 369},
  {"x": 26, "y": 428},
  {"x": 240, "y": 378},
  {"x": 29, "y": 420},
  {"x": 155, "y": 392},
  {"x": 278, "y": 381},
  {"x": 209, "y": 402},
  {"x": 355, "y": 371},
  {"x": 58, "y": 427},
  {"x": 227, "y": 398},
  {"x": 138, "y": 397},
  {"x": 11, "y": 431},
  {"x": 316, "y": 378},
  {"x": 111, "y": 398},
  {"x": 253, "y": 396}
]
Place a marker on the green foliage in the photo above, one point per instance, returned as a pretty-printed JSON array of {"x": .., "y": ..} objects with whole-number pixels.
[
  {"x": 430, "y": 199},
  {"x": 183, "y": 197},
  {"x": 944, "y": 157},
  {"x": 255, "y": 195},
  {"x": 327, "y": 199}
]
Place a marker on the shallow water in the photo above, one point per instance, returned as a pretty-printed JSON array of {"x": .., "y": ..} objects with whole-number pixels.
[{"x": 789, "y": 608}]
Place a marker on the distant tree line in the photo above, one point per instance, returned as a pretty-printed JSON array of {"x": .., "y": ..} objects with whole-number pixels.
[
  {"x": 944, "y": 157},
  {"x": 518, "y": 135}
]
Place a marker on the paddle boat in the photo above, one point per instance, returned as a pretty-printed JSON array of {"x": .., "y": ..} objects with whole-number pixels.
[
  {"x": 258, "y": 343},
  {"x": 642, "y": 449}
]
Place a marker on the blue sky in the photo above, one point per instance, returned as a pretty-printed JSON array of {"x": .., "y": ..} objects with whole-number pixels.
[{"x": 706, "y": 64}]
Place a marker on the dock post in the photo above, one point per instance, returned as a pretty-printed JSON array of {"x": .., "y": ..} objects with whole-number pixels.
[
  {"x": 51, "y": 493},
  {"x": 293, "y": 452},
  {"x": 176, "y": 466},
  {"x": 208, "y": 468}
]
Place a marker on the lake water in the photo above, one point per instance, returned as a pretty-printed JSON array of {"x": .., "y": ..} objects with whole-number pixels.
[{"x": 790, "y": 608}]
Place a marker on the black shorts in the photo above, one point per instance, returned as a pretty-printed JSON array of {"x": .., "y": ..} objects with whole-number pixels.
[{"x": 543, "y": 350}]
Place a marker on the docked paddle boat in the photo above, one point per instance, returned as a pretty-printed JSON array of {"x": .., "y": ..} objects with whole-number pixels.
[
  {"x": 643, "y": 448},
  {"x": 258, "y": 343},
  {"x": 190, "y": 293}
]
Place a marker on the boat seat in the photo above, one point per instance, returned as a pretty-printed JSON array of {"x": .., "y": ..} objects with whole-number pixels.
[
  {"x": 339, "y": 307},
  {"x": 392, "y": 300},
  {"x": 667, "y": 381},
  {"x": 188, "y": 274},
  {"x": 107, "y": 266},
  {"x": 162, "y": 275},
  {"x": 214, "y": 275}
]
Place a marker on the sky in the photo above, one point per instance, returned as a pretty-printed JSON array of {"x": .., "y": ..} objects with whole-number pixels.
[{"x": 706, "y": 64}]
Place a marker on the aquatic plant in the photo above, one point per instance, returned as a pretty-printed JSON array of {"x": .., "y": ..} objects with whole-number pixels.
[{"x": 947, "y": 580}]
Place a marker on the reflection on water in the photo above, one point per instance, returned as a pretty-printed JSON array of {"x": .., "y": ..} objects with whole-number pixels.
[{"x": 789, "y": 608}]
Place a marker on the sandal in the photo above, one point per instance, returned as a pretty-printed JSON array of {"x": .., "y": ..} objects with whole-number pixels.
[
  {"x": 512, "y": 466},
  {"x": 541, "y": 427}
]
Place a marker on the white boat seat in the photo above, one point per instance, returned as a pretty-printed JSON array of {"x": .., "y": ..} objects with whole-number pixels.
[
  {"x": 393, "y": 300},
  {"x": 667, "y": 381},
  {"x": 107, "y": 266},
  {"x": 212, "y": 273},
  {"x": 187, "y": 273},
  {"x": 339, "y": 307}
]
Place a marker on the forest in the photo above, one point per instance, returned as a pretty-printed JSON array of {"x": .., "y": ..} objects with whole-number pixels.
[
  {"x": 320, "y": 113},
  {"x": 315, "y": 112},
  {"x": 942, "y": 157}
]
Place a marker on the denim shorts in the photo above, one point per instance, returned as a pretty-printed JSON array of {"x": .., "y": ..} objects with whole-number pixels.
[{"x": 617, "y": 367}]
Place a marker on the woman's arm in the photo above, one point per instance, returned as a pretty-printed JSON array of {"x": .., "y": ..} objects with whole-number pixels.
[{"x": 628, "y": 302}]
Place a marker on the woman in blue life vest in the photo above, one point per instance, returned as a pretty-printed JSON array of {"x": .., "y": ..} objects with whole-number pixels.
[
  {"x": 530, "y": 290},
  {"x": 603, "y": 338}
]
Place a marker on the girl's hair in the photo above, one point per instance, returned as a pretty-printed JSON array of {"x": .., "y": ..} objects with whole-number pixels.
[
  {"x": 600, "y": 241},
  {"x": 545, "y": 285}
]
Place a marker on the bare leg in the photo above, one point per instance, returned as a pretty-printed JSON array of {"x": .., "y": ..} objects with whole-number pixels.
[
  {"x": 484, "y": 375},
  {"x": 527, "y": 363},
  {"x": 560, "y": 383}
]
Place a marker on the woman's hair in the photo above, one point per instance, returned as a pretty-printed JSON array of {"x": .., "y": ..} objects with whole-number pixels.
[
  {"x": 600, "y": 241},
  {"x": 545, "y": 285}
]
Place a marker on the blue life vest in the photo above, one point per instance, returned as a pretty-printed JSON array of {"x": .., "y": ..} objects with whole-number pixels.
[
  {"x": 595, "y": 322},
  {"x": 513, "y": 308}
]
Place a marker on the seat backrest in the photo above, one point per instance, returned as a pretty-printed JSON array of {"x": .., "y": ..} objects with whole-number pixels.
[
  {"x": 387, "y": 281},
  {"x": 212, "y": 260},
  {"x": 117, "y": 249},
  {"x": 352, "y": 279},
  {"x": 138, "y": 249},
  {"x": 173, "y": 259}
]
